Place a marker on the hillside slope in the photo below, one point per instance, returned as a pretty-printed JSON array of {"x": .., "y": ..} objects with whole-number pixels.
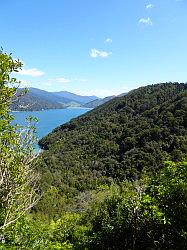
[
  {"x": 48, "y": 96},
  {"x": 118, "y": 139},
  {"x": 34, "y": 100}
]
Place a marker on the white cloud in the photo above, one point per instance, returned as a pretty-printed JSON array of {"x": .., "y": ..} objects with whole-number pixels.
[
  {"x": 66, "y": 80},
  {"x": 31, "y": 72},
  {"x": 48, "y": 84},
  {"x": 79, "y": 80},
  {"x": 97, "y": 53},
  {"x": 149, "y": 6},
  {"x": 63, "y": 80},
  {"x": 146, "y": 21},
  {"x": 108, "y": 40}
]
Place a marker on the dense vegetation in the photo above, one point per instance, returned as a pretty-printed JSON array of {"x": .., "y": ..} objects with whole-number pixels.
[
  {"x": 146, "y": 214},
  {"x": 105, "y": 182},
  {"x": 18, "y": 181},
  {"x": 118, "y": 140}
]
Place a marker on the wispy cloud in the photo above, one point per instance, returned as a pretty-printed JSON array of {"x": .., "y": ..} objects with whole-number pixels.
[
  {"x": 149, "y": 6},
  {"x": 79, "y": 80},
  {"x": 108, "y": 40},
  {"x": 31, "y": 72},
  {"x": 63, "y": 80},
  {"x": 97, "y": 53},
  {"x": 68, "y": 80},
  {"x": 145, "y": 21}
]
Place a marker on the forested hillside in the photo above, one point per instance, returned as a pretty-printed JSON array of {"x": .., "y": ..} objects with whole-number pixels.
[{"x": 117, "y": 140}]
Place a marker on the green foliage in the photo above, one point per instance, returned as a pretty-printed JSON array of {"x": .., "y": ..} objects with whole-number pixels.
[
  {"x": 149, "y": 213},
  {"x": 117, "y": 140},
  {"x": 146, "y": 214},
  {"x": 7, "y": 88},
  {"x": 18, "y": 182}
]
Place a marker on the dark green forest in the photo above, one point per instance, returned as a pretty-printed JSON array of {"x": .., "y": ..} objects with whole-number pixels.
[
  {"x": 118, "y": 173},
  {"x": 118, "y": 140},
  {"x": 114, "y": 178}
]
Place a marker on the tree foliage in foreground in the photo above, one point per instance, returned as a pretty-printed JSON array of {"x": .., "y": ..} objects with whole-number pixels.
[
  {"x": 18, "y": 182},
  {"x": 146, "y": 214}
]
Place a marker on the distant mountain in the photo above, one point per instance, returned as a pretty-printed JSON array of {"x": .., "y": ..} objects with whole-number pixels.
[
  {"x": 49, "y": 96},
  {"x": 76, "y": 98},
  {"x": 98, "y": 102},
  {"x": 35, "y": 100}
]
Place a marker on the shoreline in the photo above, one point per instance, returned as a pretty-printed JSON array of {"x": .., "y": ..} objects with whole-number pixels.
[{"x": 15, "y": 111}]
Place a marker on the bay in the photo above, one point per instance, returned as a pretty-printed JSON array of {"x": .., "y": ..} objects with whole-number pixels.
[{"x": 48, "y": 119}]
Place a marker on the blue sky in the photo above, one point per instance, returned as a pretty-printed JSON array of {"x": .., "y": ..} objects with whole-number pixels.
[{"x": 100, "y": 47}]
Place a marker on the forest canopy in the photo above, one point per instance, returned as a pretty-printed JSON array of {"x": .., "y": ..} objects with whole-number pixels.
[{"x": 120, "y": 139}]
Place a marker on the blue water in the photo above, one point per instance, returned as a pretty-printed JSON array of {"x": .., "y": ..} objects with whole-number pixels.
[{"x": 48, "y": 119}]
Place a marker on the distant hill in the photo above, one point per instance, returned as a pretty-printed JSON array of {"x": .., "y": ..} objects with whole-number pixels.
[
  {"x": 49, "y": 96},
  {"x": 37, "y": 99},
  {"x": 76, "y": 98},
  {"x": 98, "y": 102}
]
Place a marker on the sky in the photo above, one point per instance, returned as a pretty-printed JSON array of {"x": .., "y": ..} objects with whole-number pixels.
[{"x": 96, "y": 47}]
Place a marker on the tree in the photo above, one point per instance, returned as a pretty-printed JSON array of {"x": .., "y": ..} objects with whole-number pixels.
[{"x": 18, "y": 182}]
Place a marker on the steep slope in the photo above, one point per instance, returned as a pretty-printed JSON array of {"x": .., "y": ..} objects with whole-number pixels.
[
  {"x": 76, "y": 98},
  {"x": 98, "y": 102},
  {"x": 118, "y": 139}
]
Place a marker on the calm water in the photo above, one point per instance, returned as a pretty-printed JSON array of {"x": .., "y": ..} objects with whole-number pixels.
[{"x": 48, "y": 119}]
